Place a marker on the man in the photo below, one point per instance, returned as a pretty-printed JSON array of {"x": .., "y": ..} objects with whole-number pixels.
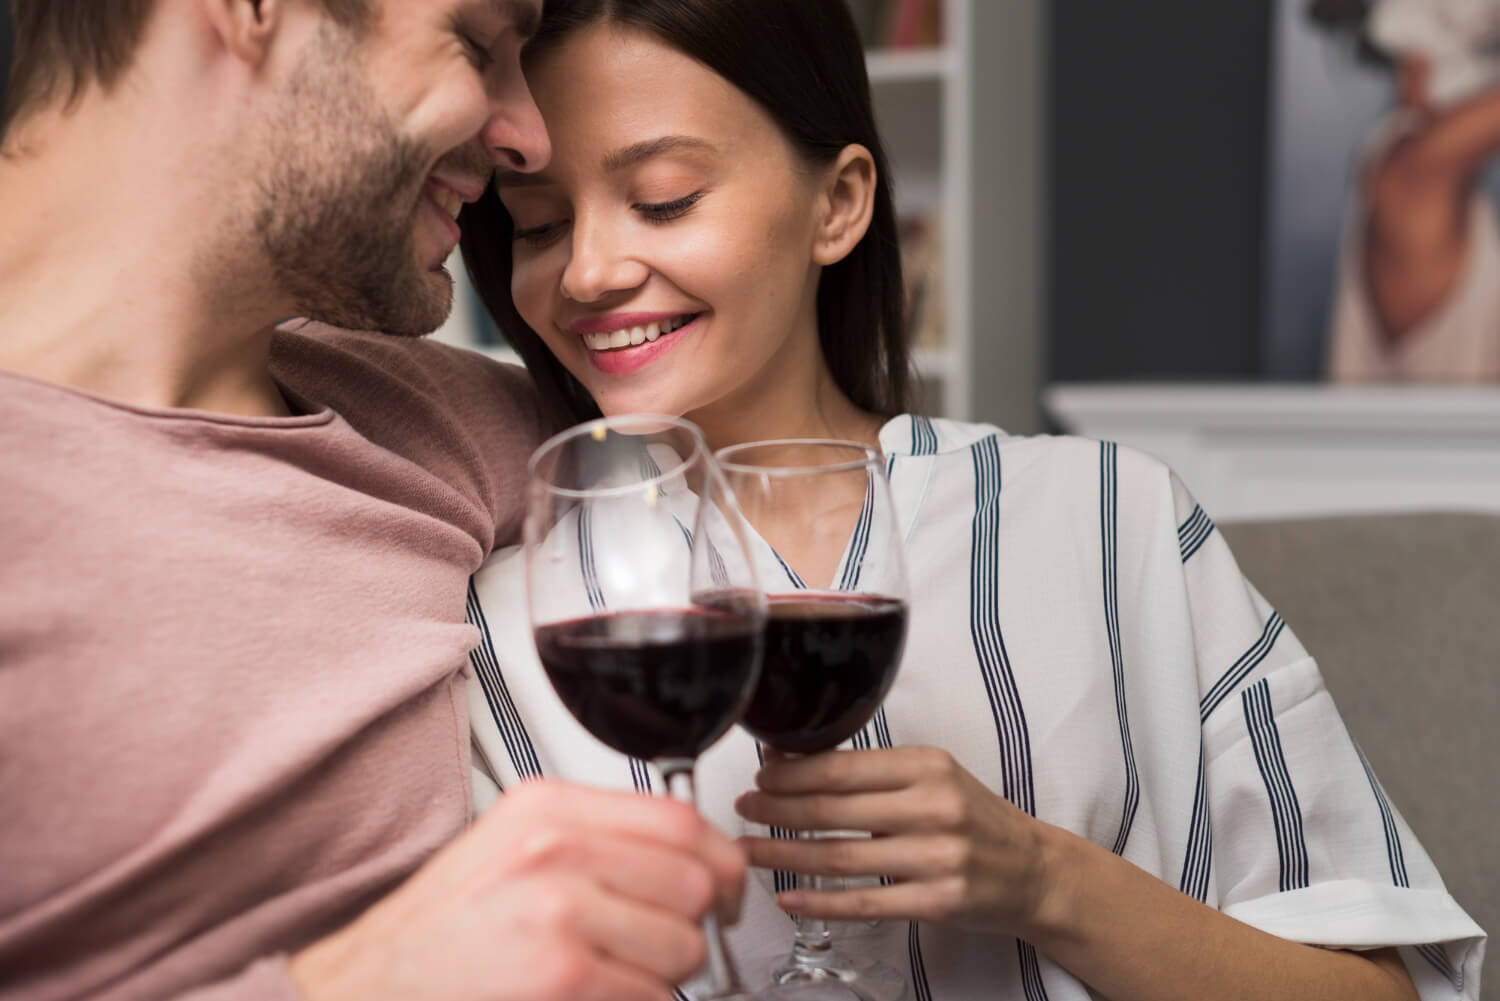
[{"x": 233, "y": 560}]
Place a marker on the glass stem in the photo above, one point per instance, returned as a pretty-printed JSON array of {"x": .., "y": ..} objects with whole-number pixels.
[
  {"x": 723, "y": 980},
  {"x": 813, "y": 945}
]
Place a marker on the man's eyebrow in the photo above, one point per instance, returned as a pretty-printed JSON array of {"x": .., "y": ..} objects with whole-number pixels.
[
  {"x": 637, "y": 152},
  {"x": 522, "y": 14},
  {"x": 629, "y": 156}
]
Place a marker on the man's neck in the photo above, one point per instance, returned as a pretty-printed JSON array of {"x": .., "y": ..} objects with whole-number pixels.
[{"x": 107, "y": 265}]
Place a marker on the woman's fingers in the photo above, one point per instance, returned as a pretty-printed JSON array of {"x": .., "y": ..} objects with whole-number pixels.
[
  {"x": 901, "y": 858},
  {"x": 927, "y": 901},
  {"x": 896, "y": 812},
  {"x": 854, "y": 771}
]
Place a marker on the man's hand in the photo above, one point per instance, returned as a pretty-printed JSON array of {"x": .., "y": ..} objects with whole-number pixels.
[{"x": 558, "y": 893}]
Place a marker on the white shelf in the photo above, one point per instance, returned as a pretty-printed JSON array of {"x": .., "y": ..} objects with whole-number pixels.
[
  {"x": 909, "y": 65},
  {"x": 923, "y": 101},
  {"x": 1256, "y": 451}
]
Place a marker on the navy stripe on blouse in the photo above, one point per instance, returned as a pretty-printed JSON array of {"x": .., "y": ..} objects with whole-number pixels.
[
  {"x": 1109, "y": 529},
  {"x": 497, "y": 695},
  {"x": 1242, "y": 667},
  {"x": 1197, "y": 861},
  {"x": 1194, "y": 532},
  {"x": 1286, "y": 811},
  {"x": 994, "y": 662}
]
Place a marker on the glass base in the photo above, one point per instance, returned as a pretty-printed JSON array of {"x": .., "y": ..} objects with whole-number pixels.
[{"x": 833, "y": 977}]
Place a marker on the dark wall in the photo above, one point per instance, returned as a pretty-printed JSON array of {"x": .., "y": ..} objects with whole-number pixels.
[{"x": 1157, "y": 161}]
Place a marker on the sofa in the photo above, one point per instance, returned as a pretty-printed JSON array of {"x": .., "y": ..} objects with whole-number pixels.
[{"x": 1402, "y": 612}]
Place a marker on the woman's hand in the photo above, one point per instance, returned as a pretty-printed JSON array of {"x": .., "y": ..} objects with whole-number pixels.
[{"x": 958, "y": 853}]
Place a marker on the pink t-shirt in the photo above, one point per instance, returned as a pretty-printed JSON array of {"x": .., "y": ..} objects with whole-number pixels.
[{"x": 230, "y": 707}]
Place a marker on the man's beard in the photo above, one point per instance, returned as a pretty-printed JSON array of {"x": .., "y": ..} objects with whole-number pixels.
[{"x": 338, "y": 203}]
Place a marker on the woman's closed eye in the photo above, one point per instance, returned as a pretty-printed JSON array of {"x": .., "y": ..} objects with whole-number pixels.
[
  {"x": 540, "y": 236},
  {"x": 658, "y": 212}
]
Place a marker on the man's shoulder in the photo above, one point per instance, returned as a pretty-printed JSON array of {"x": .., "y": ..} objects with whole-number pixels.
[
  {"x": 469, "y": 419},
  {"x": 354, "y": 372}
]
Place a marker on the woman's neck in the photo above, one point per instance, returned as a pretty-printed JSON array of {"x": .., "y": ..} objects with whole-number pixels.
[{"x": 795, "y": 397}]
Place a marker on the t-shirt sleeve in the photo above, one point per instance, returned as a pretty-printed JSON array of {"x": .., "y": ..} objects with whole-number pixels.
[
  {"x": 1303, "y": 841},
  {"x": 471, "y": 421}
]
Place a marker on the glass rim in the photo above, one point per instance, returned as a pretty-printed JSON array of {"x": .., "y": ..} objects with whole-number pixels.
[
  {"x": 872, "y": 457},
  {"x": 700, "y": 449}
]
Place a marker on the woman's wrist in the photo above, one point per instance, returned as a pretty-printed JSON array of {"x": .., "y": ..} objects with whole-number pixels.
[{"x": 1068, "y": 871}]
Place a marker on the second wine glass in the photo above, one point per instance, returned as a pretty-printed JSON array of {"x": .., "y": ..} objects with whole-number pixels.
[{"x": 830, "y": 540}]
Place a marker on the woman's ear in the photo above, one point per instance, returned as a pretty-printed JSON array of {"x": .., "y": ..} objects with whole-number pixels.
[
  {"x": 244, "y": 27},
  {"x": 848, "y": 204}
]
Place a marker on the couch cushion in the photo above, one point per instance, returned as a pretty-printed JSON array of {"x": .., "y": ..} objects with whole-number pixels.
[{"x": 1403, "y": 614}]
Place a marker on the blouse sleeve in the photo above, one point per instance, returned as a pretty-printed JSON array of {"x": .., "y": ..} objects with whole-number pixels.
[{"x": 1302, "y": 841}]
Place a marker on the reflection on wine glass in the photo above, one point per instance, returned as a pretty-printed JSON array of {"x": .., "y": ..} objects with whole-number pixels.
[
  {"x": 832, "y": 648},
  {"x": 644, "y": 603}
]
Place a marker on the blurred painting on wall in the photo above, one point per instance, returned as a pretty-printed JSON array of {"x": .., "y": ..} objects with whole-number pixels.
[{"x": 1383, "y": 248}]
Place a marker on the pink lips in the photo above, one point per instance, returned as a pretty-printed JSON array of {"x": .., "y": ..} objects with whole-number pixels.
[{"x": 623, "y": 361}]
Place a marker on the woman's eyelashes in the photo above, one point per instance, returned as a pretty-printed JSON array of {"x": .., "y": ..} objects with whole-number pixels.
[
  {"x": 539, "y": 236},
  {"x": 659, "y": 212},
  {"x": 655, "y": 213}
]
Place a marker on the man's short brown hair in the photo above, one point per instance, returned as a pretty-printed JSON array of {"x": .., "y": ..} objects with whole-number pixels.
[{"x": 61, "y": 47}]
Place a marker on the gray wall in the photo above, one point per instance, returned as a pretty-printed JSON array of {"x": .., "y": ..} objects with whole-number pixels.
[
  {"x": 1157, "y": 156},
  {"x": 1008, "y": 59}
]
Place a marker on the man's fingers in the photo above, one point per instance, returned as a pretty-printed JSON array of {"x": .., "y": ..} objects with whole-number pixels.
[
  {"x": 656, "y": 943},
  {"x": 542, "y": 824},
  {"x": 658, "y": 876},
  {"x": 583, "y": 975}
]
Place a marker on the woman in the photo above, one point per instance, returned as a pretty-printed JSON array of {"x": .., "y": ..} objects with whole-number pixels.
[{"x": 1105, "y": 761}]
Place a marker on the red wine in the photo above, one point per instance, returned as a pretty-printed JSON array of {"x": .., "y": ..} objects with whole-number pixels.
[
  {"x": 829, "y": 661},
  {"x": 658, "y": 684}
]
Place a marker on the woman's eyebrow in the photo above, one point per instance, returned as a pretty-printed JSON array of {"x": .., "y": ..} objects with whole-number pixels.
[
  {"x": 637, "y": 152},
  {"x": 614, "y": 162}
]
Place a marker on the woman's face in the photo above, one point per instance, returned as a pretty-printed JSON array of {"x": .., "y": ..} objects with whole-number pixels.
[{"x": 665, "y": 254}]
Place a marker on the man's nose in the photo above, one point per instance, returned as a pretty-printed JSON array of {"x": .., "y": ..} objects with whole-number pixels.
[{"x": 515, "y": 134}]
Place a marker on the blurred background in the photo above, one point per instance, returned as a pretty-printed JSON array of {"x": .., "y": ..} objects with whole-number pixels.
[{"x": 1126, "y": 220}]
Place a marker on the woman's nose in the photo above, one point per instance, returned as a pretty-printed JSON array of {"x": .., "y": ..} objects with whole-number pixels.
[{"x": 600, "y": 264}]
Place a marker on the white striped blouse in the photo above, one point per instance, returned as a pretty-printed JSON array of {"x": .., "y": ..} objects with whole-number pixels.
[{"x": 1082, "y": 641}]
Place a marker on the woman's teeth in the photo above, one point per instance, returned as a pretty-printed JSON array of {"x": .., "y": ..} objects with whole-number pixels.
[{"x": 631, "y": 336}]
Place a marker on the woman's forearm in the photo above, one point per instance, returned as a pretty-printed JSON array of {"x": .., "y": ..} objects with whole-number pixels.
[{"x": 1132, "y": 937}]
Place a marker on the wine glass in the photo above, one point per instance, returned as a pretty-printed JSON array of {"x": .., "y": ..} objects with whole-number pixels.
[
  {"x": 645, "y": 606},
  {"x": 836, "y": 624}
]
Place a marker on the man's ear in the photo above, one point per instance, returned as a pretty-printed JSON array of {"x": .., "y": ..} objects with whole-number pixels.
[
  {"x": 848, "y": 204},
  {"x": 244, "y": 27}
]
